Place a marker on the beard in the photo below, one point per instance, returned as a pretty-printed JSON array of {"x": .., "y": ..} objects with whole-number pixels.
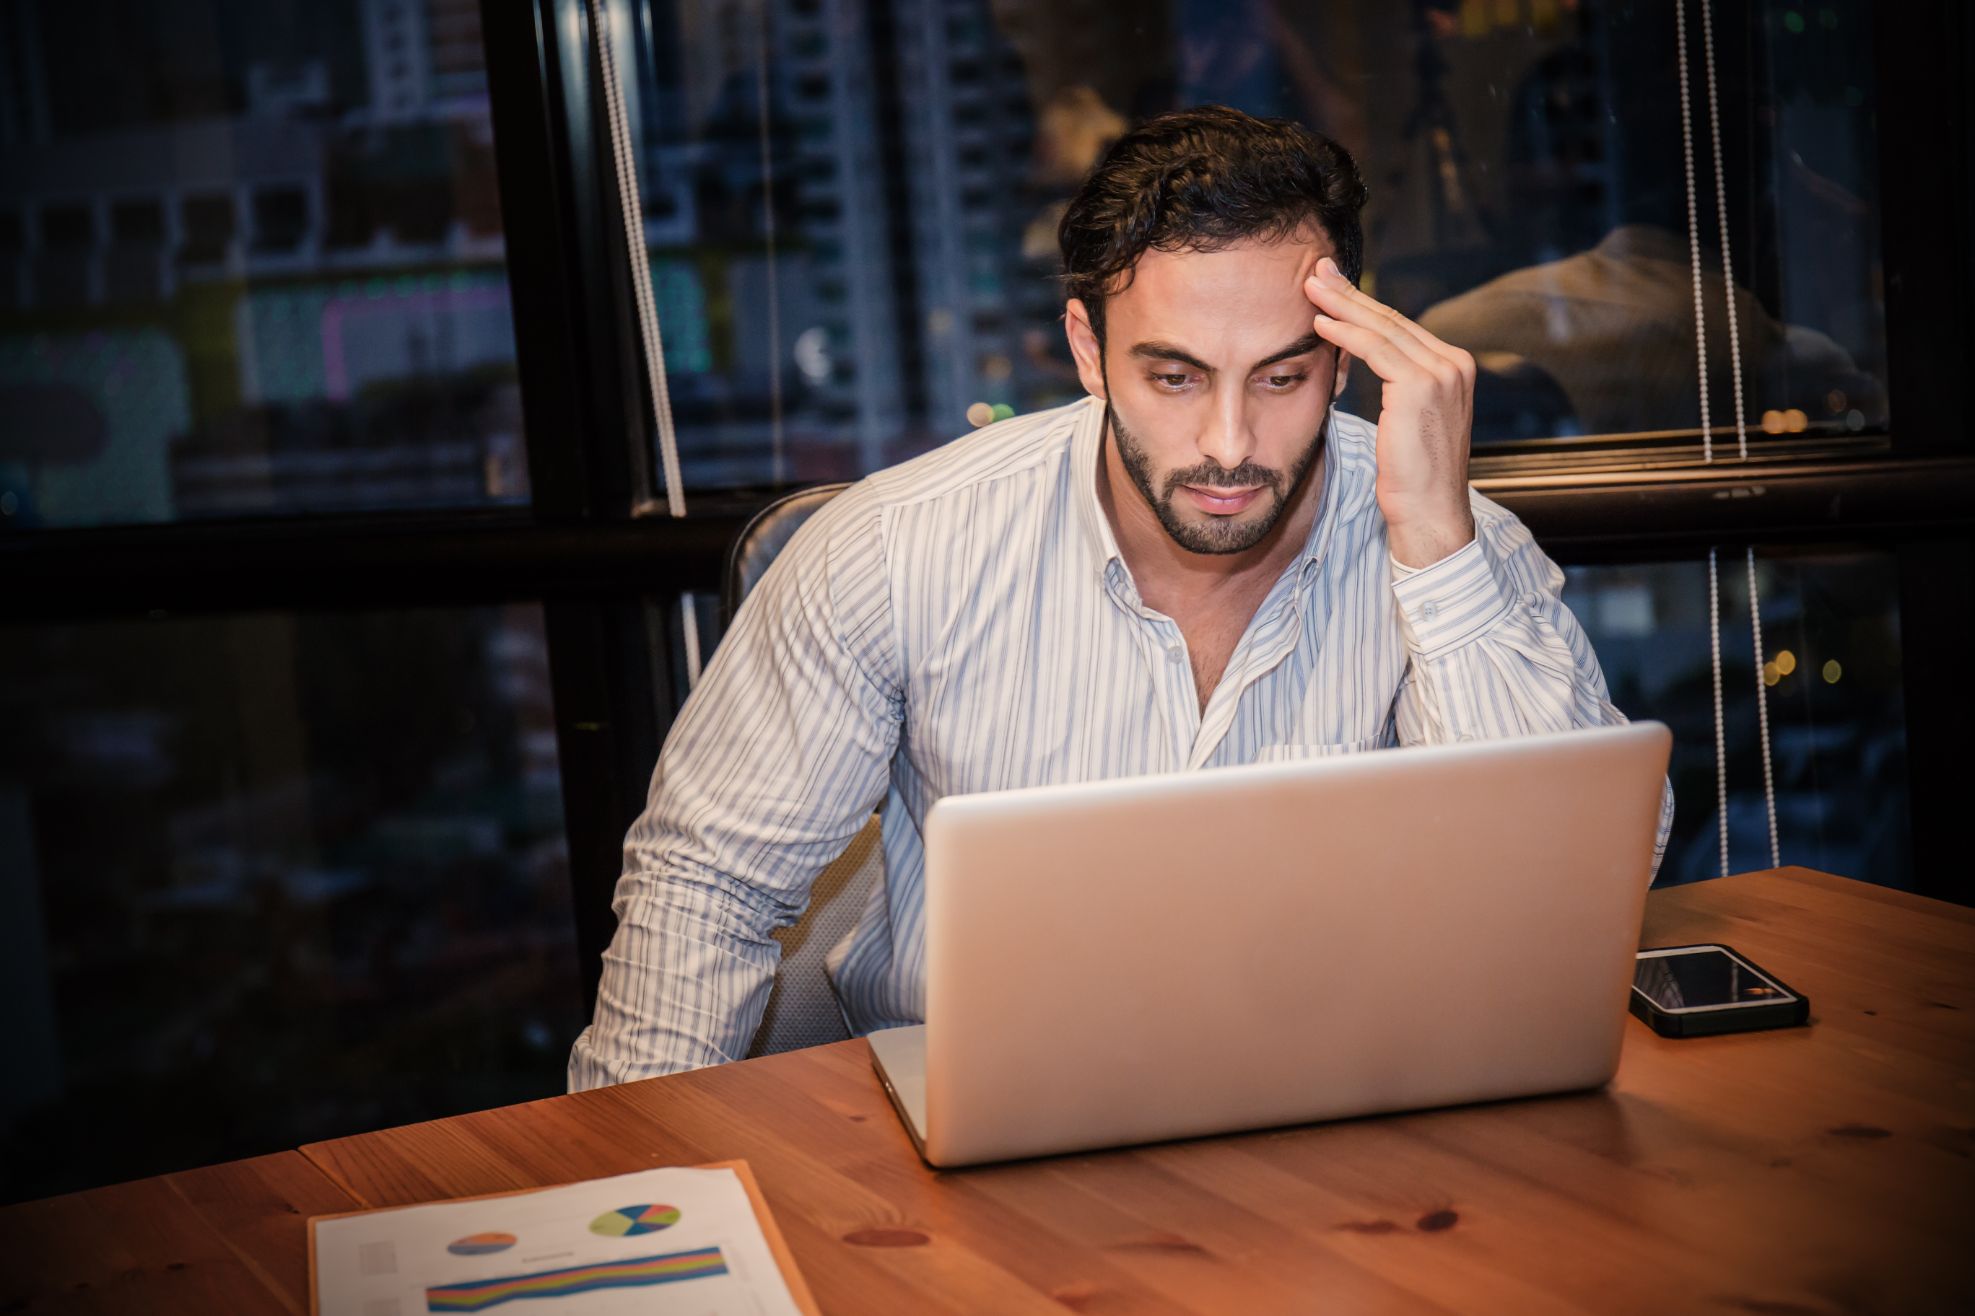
[{"x": 1221, "y": 534}]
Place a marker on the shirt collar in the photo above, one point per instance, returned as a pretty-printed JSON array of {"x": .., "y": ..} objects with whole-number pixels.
[{"x": 1087, "y": 446}]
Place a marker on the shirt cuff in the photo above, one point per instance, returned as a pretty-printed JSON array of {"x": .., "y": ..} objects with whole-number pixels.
[{"x": 1450, "y": 602}]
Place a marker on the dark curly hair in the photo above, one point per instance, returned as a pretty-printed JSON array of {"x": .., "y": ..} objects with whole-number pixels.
[{"x": 1202, "y": 179}]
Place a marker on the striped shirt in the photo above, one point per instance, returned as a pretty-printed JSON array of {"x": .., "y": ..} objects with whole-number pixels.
[{"x": 964, "y": 622}]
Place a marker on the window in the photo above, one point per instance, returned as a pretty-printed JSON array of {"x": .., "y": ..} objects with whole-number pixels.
[
  {"x": 334, "y": 298},
  {"x": 281, "y": 218},
  {"x": 299, "y": 865},
  {"x": 209, "y": 227},
  {"x": 1528, "y": 200},
  {"x": 284, "y": 874},
  {"x": 1831, "y": 674}
]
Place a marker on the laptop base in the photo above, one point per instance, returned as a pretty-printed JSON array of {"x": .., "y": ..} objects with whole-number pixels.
[{"x": 899, "y": 1056}]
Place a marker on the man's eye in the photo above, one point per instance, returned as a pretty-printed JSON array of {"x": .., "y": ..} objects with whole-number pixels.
[
  {"x": 1170, "y": 381},
  {"x": 1282, "y": 383}
]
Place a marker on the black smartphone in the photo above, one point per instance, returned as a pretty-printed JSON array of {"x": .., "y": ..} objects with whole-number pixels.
[{"x": 1691, "y": 991}]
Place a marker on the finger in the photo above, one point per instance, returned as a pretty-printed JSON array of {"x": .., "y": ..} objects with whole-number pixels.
[
  {"x": 1389, "y": 355},
  {"x": 1459, "y": 358},
  {"x": 1350, "y": 307},
  {"x": 1335, "y": 295},
  {"x": 1383, "y": 327}
]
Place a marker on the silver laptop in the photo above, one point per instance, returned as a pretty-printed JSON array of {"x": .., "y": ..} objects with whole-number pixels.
[{"x": 1171, "y": 956}]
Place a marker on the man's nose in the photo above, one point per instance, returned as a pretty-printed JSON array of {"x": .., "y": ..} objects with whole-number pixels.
[{"x": 1228, "y": 441}]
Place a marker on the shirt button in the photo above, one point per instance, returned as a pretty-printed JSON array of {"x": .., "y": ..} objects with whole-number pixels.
[{"x": 1430, "y": 611}]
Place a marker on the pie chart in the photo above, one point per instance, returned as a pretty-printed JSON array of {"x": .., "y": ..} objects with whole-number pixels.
[
  {"x": 635, "y": 1220},
  {"x": 477, "y": 1245}
]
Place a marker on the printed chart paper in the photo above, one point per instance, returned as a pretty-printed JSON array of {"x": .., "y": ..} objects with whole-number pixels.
[{"x": 659, "y": 1241}]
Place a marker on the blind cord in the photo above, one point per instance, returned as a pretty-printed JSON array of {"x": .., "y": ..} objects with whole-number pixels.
[
  {"x": 1707, "y": 431},
  {"x": 1694, "y": 259},
  {"x": 631, "y": 206},
  {"x": 1741, "y": 426}
]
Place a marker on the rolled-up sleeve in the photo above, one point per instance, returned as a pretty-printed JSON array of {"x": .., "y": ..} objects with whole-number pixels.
[
  {"x": 776, "y": 761},
  {"x": 1493, "y": 652}
]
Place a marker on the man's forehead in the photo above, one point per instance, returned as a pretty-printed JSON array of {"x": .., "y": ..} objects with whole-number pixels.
[
  {"x": 1239, "y": 260},
  {"x": 1242, "y": 278},
  {"x": 1228, "y": 300}
]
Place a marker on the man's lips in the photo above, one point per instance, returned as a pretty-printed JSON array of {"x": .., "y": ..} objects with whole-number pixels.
[{"x": 1223, "y": 501}]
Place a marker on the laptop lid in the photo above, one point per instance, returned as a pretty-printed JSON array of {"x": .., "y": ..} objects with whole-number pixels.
[{"x": 1168, "y": 956}]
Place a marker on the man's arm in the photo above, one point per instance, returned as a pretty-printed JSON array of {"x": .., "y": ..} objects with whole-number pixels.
[
  {"x": 776, "y": 761},
  {"x": 1494, "y": 652}
]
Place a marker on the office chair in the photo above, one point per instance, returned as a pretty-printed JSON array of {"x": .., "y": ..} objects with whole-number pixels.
[{"x": 802, "y": 1007}]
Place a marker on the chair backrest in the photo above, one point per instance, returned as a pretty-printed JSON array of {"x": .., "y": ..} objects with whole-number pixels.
[
  {"x": 802, "y": 1008},
  {"x": 764, "y": 535}
]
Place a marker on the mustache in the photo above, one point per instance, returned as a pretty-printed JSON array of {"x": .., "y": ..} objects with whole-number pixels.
[{"x": 1209, "y": 476}]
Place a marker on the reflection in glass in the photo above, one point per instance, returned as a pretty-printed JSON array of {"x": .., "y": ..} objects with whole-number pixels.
[
  {"x": 1831, "y": 667},
  {"x": 1700, "y": 980},
  {"x": 855, "y": 201},
  {"x": 250, "y": 262},
  {"x": 270, "y": 878}
]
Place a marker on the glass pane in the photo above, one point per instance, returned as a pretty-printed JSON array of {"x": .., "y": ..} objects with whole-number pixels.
[
  {"x": 1837, "y": 720},
  {"x": 1835, "y": 694},
  {"x": 271, "y": 878},
  {"x": 852, "y": 207},
  {"x": 251, "y": 262}
]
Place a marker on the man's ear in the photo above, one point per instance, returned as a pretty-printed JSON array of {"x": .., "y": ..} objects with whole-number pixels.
[
  {"x": 1084, "y": 347},
  {"x": 1343, "y": 376}
]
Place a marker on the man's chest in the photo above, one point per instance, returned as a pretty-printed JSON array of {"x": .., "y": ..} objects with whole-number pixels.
[
  {"x": 1029, "y": 694},
  {"x": 1210, "y": 643}
]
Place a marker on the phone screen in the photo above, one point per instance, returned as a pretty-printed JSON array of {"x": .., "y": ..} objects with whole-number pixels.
[{"x": 1704, "y": 979}]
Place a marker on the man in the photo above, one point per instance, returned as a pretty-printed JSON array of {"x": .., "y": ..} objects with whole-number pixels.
[{"x": 1199, "y": 564}]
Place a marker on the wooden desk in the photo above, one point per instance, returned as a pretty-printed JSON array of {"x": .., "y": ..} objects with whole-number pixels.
[
  {"x": 226, "y": 1238},
  {"x": 1823, "y": 1169}
]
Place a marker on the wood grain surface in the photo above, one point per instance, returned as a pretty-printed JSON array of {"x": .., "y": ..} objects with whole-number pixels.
[
  {"x": 1822, "y": 1169},
  {"x": 1819, "y": 1169},
  {"x": 225, "y": 1238}
]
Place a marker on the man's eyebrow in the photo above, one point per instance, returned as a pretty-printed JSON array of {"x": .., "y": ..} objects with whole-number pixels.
[
  {"x": 1307, "y": 343},
  {"x": 1168, "y": 352}
]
